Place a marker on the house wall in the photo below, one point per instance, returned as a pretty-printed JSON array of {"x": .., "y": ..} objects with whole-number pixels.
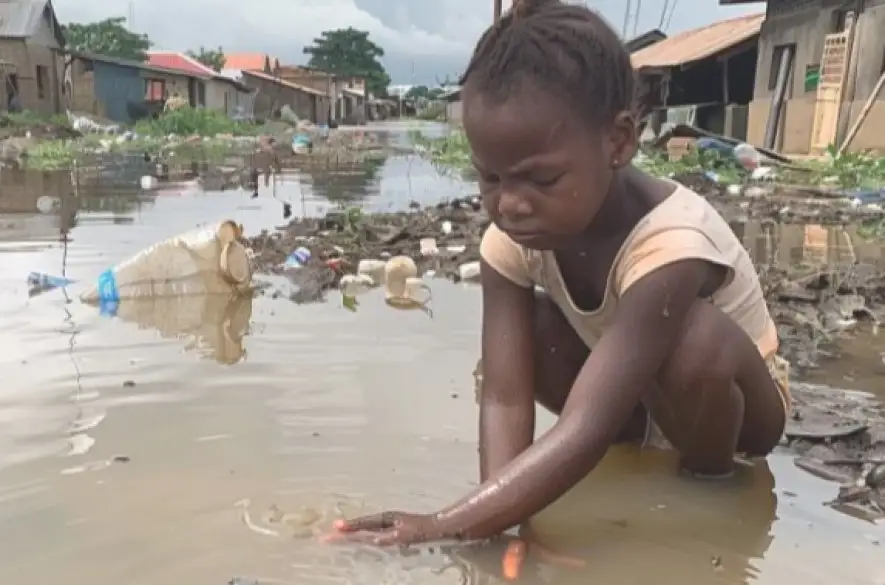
[
  {"x": 225, "y": 97},
  {"x": 174, "y": 83},
  {"x": 453, "y": 112},
  {"x": 27, "y": 56},
  {"x": 805, "y": 23},
  {"x": 116, "y": 90},
  {"x": 271, "y": 96},
  {"x": 22, "y": 189}
]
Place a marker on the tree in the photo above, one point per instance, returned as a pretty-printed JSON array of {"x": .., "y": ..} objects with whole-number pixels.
[
  {"x": 108, "y": 37},
  {"x": 348, "y": 52},
  {"x": 417, "y": 92},
  {"x": 212, "y": 58}
]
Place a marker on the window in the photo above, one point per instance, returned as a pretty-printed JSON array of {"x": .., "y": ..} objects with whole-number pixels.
[
  {"x": 776, "y": 57},
  {"x": 42, "y": 81},
  {"x": 154, "y": 90}
]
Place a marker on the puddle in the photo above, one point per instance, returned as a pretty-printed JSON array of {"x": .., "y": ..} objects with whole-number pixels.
[{"x": 126, "y": 444}]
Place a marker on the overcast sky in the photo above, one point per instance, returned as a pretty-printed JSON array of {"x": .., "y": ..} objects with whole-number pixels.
[{"x": 423, "y": 39}]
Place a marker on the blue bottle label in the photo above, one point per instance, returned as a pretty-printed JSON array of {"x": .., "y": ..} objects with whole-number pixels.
[{"x": 107, "y": 287}]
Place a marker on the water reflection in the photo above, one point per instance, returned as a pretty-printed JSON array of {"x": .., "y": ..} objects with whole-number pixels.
[
  {"x": 212, "y": 325},
  {"x": 343, "y": 183},
  {"x": 634, "y": 518},
  {"x": 809, "y": 245}
]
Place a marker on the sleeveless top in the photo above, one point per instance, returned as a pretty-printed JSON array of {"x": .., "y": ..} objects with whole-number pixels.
[{"x": 684, "y": 226}]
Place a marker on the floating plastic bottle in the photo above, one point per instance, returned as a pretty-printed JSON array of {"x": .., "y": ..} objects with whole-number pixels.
[{"x": 210, "y": 260}]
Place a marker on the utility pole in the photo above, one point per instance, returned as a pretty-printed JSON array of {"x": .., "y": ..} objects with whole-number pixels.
[
  {"x": 636, "y": 17},
  {"x": 626, "y": 27}
]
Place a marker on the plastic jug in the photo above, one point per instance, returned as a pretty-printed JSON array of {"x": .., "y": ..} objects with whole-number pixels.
[
  {"x": 210, "y": 260},
  {"x": 402, "y": 287}
]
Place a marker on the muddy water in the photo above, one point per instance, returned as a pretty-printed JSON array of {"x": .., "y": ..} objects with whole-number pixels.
[{"x": 138, "y": 451}]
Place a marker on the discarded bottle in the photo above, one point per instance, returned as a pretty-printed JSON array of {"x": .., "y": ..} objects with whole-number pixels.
[
  {"x": 298, "y": 258},
  {"x": 210, "y": 260},
  {"x": 352, "y": 286},
  {"x": 747, "y": 156},
  {"x": 40, "y": 282}
]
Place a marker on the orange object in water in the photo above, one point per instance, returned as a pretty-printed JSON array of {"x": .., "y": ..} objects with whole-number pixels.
[{"x": 514, "y": 557}]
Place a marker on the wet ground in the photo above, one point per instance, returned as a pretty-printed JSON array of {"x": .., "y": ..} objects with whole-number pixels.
[{"x": 201, "y": 441}]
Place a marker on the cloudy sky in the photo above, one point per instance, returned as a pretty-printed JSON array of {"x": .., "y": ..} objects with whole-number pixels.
[{"x": 423, "y": 39}]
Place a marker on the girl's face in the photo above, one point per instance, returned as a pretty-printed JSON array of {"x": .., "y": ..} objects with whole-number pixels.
[{"x": 544, "y": 172}]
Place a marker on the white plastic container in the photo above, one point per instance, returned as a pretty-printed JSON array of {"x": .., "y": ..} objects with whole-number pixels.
[
  {"x": 354, "y": 285},
  {"x": 428, "y": 247},
  {"x": 210, "y": 260},
  {"x": 402, "y": 287},
  {"x": 374, "y": 269},
  {"x": 469, "y": 272}
]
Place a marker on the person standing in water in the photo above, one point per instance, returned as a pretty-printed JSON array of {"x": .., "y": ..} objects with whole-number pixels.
[{"x": 651, "y": 317}]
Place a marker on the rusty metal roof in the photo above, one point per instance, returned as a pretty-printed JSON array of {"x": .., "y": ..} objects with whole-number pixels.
[
  {"x": 284, "y": 83},
  {"x": 700, "y": 43}
]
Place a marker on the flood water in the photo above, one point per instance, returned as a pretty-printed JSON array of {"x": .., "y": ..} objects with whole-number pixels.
[{"x": 134, "y": 450}]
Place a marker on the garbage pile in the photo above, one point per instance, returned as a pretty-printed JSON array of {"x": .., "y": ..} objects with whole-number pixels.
[{"x": 441, "y": 241}]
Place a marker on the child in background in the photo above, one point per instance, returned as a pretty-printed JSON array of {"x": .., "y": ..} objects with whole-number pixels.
[{"x": 650, "y": 317}]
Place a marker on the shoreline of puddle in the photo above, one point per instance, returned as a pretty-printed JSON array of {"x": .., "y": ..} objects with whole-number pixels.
[{"x": 316, "y": 407}]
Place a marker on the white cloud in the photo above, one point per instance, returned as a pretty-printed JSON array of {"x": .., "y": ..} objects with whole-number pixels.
[{"x": 422, "y": 38}]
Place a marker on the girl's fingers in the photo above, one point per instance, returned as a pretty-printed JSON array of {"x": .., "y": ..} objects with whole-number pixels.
[{"x": 514, "y": 557}]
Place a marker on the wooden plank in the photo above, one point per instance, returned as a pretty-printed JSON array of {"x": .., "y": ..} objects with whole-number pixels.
[{"x": 828, "y": 104}]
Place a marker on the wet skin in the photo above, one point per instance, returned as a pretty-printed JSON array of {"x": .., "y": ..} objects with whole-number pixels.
[{"x": 552, "y": 181}]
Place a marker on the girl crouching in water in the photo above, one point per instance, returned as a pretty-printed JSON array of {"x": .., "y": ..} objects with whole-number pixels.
[{"x": 651, "y": 319}]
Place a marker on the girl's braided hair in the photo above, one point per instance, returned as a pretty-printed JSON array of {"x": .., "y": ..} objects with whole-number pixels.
[{"x": 565, "y": 49}]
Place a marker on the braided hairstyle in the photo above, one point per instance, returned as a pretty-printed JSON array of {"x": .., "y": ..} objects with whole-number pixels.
[{"x": 567, "y": 50}]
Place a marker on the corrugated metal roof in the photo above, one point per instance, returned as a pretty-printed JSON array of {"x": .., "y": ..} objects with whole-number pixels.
[
  {"x": 179, "y": 62},
  {"x": 700, "y": 43},
  {"x": 21, "y": 18},
  {"x": 284, "y": 83},
  {"x": 252, "y": 61}
]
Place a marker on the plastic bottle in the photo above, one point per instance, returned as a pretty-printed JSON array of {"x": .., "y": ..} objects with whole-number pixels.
[
  {"x": 354, "y": 285},
  {"x": 747, "y": 156},
  {"x": 210, "y": 260},
  {"x": 298, "y": 258}
]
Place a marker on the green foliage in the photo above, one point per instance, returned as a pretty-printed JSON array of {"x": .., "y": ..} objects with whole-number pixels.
[
  {"x": 189, "y": 121},
  {"x": 423, "y": 92},
  {"x": 212, "y": 58},
  {"x": 349, "y": 52},
  {"x": 108, "y": 37},
  {"x": 29, "y": 119},
  {"x": 450, "y": 152}
]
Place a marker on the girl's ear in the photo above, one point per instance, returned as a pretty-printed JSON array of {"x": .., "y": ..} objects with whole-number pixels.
[{"x": 624, "y": 141}]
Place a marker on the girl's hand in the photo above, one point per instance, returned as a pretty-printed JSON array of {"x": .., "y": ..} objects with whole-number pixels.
[{"x": 386, "y": 528}]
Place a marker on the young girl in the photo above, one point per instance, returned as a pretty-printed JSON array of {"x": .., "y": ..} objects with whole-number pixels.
[{"x": 651, "y": 318}]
